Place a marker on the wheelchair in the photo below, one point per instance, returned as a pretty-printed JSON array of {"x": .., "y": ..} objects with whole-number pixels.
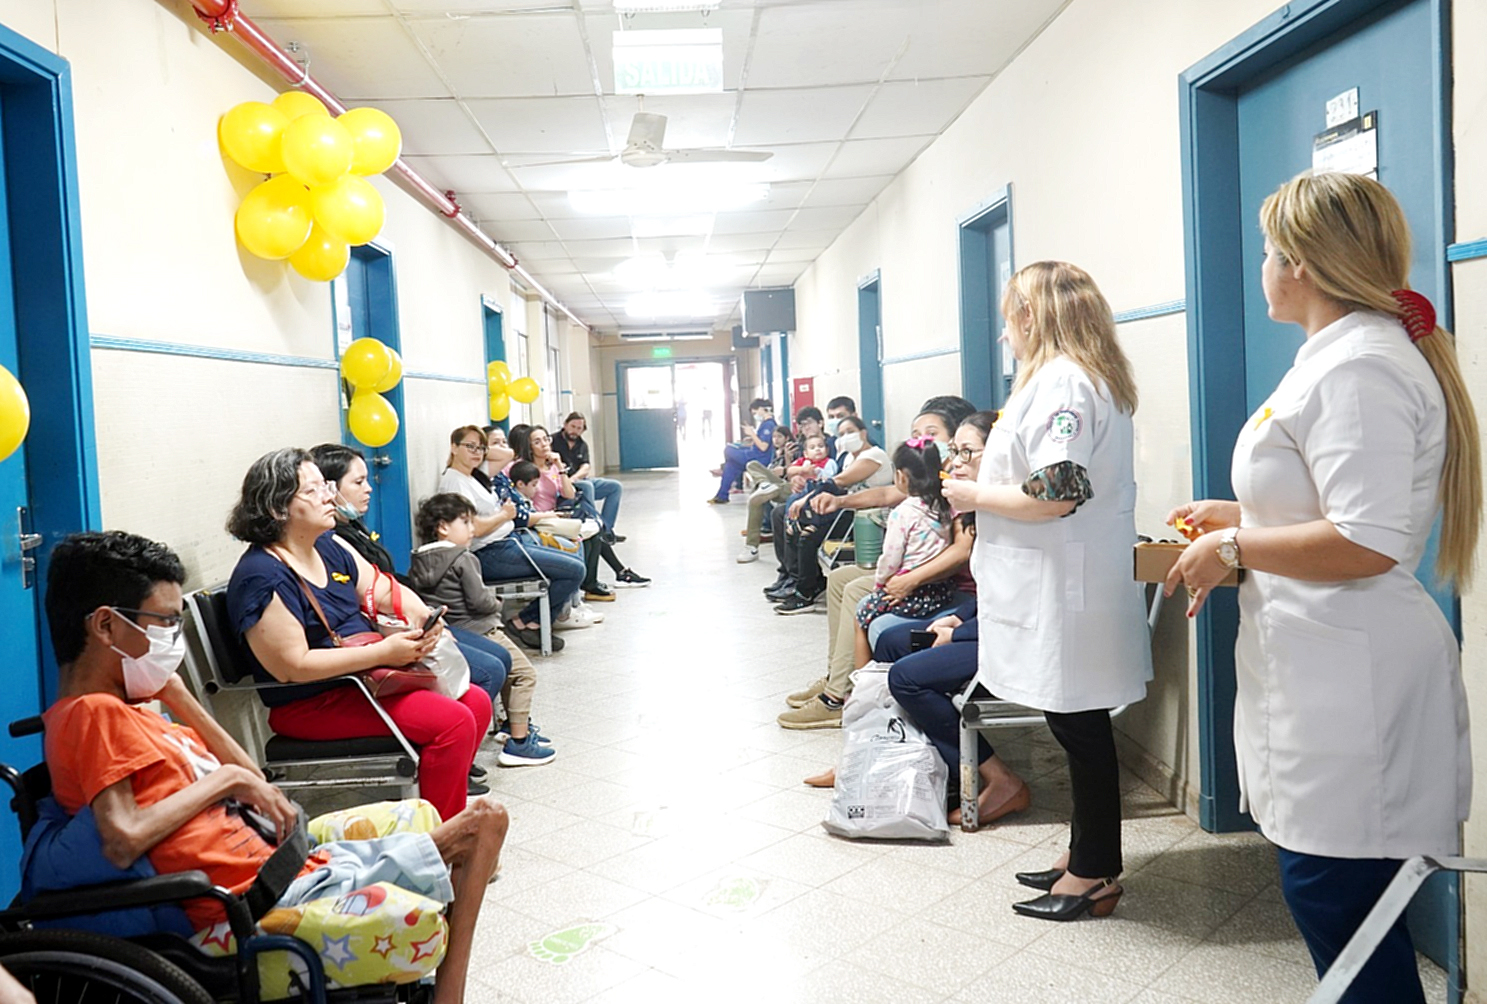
[{"x": 57, "y": 964}]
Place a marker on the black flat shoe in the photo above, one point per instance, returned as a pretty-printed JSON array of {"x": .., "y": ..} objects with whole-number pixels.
[
  {"x": 476, "y": 789},
  {"x": 1040, "y": 880},
  {"x": 477, "y": 772},
  {"x": 1059, "y": 906}
]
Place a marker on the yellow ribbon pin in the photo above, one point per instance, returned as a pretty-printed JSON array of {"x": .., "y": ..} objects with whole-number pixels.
[
  {"x": 339, "y": 577},
  {"x": 1264, "y": 416}
]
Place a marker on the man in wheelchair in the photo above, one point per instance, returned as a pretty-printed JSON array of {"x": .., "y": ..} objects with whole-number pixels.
[{"x": 182, "y": 793}]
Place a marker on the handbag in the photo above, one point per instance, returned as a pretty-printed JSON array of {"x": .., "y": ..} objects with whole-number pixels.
[
  {"x": 383, "y": 681},
  {"x": 445, "y": 661}
]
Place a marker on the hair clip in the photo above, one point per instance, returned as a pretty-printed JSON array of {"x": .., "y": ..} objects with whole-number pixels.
[
  {"x": 918, "y": 442},
  {"x": 1415, "y": 313}
]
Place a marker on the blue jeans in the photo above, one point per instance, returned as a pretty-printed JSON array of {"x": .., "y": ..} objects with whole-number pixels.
[
  {"x": 489, "y": 662},
  {"x": 1328, "y": 898},
  {"x": 735, "y": 459},
  {"x": 507, "y": 561},
  {"x": 924, "y": 682},
  {"x": 605, "y": 491}
]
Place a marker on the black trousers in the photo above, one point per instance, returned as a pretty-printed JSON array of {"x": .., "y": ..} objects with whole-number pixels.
[{"x": 1094, "y": 775}]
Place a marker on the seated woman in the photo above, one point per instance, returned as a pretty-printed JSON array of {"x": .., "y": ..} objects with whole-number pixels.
[
  {"x": 296, "y": 593},
  {"x": 503, "y": 556},
  {"x": 346, "y": 468},
  {"x": 863, "y": 466},
  {"x": 532, "y": 444}
]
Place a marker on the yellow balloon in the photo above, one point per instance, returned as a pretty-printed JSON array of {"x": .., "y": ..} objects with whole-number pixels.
[
  {"x": 322, "y": 257},
  {"x": 297, "y": 104},
  {"x": 524, "y": 389},
  {"x": 15, "y": 413},
  {"x": 349, "y": 207},
  {"x": 365, "y": 363},
  {"x": 316, "y": 149},
  {"x": 274, "y": 219},
  {"x": 376, "y": 136},
  {"x": 394, "y": 374},
  {"x": 250, "y": 135},
  {"x": 498, "y": 371},
  {"x": 500, "y": 407},
  {"x": 371, "y": 419}
]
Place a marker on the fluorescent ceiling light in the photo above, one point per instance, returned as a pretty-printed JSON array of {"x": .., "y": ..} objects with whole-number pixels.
[
  {"x": 700, "y": 225},
  {"x": 666, "y": 200},
  {"x": 651, "y": 6},
  {"x": 678, "y": 303},
  {"x": 685, "y": 271}
]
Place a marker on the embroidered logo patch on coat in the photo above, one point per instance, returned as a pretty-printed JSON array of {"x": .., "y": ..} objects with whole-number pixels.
[{"x": 1064, "y": 425}]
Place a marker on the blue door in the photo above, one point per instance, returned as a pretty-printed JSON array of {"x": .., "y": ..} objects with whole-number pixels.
[
  {"x": 647, "y": 413},
  {"x": 870, "y": 354},
  {"x": 495, "y": 341},
  {"x": 985, "y": 269},
  {"x": 1250, "y": 114},
  {"x": 371, "y": 295}
]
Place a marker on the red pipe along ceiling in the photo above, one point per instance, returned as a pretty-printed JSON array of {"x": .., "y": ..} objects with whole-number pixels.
[{"x": 223, "y": 16}]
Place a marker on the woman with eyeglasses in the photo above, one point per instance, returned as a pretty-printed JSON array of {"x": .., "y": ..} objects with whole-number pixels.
[
  {"x": 503, "y": 554},
  {"x": 297, "y": 592}
]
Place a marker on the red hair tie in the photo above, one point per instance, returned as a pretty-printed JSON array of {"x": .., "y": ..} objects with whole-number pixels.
[{"x": 1415, "y": 313}]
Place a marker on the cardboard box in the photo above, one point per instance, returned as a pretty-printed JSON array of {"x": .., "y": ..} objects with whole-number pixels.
[{"x": 1154, "y": 560}]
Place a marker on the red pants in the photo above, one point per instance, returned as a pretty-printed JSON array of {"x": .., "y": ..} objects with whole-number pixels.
[{"x": 447, "y": 732}]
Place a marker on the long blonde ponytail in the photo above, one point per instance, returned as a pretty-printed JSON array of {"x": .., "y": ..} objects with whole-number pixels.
[{"x": 1351, "y": 234}]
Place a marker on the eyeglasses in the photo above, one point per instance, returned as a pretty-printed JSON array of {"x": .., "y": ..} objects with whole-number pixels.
[
  {"x": 473, "y": 447},
  {"x": 965, "y": 454},
  {"x": 326, "y": 489},
  {"x": 172, "y": 621}
]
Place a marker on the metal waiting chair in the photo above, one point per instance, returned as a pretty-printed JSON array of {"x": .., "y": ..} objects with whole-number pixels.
[
  {"x": 217, "y": 662},
  {"x": 981, "y": 712}
]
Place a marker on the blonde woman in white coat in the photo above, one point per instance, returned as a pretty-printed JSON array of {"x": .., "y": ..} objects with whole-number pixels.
[
  {"x": 1062, "y": 624},
  {"x": 1350, "y": 717}
]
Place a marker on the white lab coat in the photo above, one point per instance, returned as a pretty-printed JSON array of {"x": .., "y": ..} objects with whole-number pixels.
[
  {"x": 1350, "y": 722},
  {"x": 1062, "y": 623}
]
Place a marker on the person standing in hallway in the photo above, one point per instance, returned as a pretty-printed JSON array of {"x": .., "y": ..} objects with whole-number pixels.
[
  {"x": 1055, "y": 523},
  {"x": 602, "y": 494},
  {"x": 1350, "y": 719}
]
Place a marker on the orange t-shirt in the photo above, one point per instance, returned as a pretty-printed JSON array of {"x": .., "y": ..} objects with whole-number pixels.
[{"x": 96, "y": 740}]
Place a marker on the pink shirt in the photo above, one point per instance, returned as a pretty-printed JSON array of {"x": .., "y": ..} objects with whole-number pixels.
[{"x": 548, "y": 486}]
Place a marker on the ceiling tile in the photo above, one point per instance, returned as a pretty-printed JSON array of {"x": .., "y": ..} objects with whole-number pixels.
[
  {"x": 917, "y": 108},
  {"x": 805, "y": 115},
  {"x": 792, "y": 256},
  {"x": 847, "y": 191},
  {"x": 434, "y": 127},
  {"x": 362, "y": 57},
  {"x": 508, "y": 55},
  {"x": 817, "y": 239},
  {"x": 833, "y": 218},
  {"x": 769, "y": 221},
  {"x": 517, "y": 231},
  {"x": 666, "y": 245},
  {"x": 464, "y": 174},
  {"x": 595, "y": 265},
  {"x": 540, "y": 250},
  {"x": 786, "y": 195},
  {"x": 860, "y": 157},
  {"x": 592, "y": 228},
  {"x": 972, "y": 37},
  {"x": 542, "y": 125},
  {"x": 624, "y": 247},
  {"x": 737, "y": 243},
  {"x": 801, "y": 45},
  {"x": 797, "y": 162},
  {"x": 500, "y": 206}
]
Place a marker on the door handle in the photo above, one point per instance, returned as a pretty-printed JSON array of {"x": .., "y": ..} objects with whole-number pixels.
[
  {"x": 28, "y": 542},
  {"x": 383, "y": 461}
]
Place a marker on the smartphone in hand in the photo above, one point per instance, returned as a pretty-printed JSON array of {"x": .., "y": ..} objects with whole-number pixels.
[
  {"x": 434, "y": 616},
  {"x": 920, "y": 640}
]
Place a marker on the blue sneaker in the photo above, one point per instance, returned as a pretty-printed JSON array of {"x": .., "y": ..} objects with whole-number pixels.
[
  {"x": 527, "y": 753},
  {"x": 533, "y": 729}
]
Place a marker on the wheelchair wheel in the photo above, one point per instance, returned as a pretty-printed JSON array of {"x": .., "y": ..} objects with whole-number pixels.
[{"x": 60, "y": 965}]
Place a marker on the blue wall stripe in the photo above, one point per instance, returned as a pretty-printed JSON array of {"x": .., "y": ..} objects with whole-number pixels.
[
  {"x": 241, "y": 356},
  {"x": 926, "y": 354},
  {"x": 1155, "y": 310},
  {"x": 1467, "y": 250}
]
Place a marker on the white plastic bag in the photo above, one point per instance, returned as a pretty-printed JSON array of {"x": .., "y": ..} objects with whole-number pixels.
[{"x": 890, "y": 784}]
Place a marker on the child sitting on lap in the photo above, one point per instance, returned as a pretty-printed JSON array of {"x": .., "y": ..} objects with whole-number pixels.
[
  {"x": 444, "y": 571},
  {"x": 918, "y": 530}
]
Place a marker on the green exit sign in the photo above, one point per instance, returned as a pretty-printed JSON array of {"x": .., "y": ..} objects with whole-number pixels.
[
  {"x": 661, "y": 352},
  {"x": 668, "y": 61}
]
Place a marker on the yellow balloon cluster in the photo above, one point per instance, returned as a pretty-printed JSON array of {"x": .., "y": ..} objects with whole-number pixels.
[
  {"x": 318, "y": 204},
  {"x": 372, "y": 369},
  {"x": 15, "y": 413},
  {"x": 503, "y": 390}
]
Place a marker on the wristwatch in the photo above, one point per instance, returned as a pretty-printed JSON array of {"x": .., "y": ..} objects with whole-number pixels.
[{"x": 1229, "y": 547}]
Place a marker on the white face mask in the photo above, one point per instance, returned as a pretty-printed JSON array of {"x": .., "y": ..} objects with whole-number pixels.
[
  {"x": 146, "y": 675},
  {"x": 831, "y": 424},
  {"x": 346, "y": 510},
  {"x": 851, "y": 442}
]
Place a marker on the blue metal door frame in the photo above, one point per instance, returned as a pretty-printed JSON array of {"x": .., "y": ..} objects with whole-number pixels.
[
  {"x": 870, "y": 350},
  {"x": 982, "y": 381},
  {"x": 52, "y": 360},
  {"x": 493, "y": 324},
  {"x": 1214, "y": 228},
  {"x": 373, "y": 292}
]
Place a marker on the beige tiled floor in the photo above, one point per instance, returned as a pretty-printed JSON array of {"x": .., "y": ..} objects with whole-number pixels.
[{"x": 674, "y": 819}]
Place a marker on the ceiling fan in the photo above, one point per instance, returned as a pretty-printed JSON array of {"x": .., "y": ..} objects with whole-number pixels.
[{"x": 644, "y": 148}]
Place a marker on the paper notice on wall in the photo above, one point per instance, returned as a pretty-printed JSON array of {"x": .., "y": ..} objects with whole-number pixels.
[
  {"x": 1342, "y": 108},
  {"x": 1351, "y": 147}
]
